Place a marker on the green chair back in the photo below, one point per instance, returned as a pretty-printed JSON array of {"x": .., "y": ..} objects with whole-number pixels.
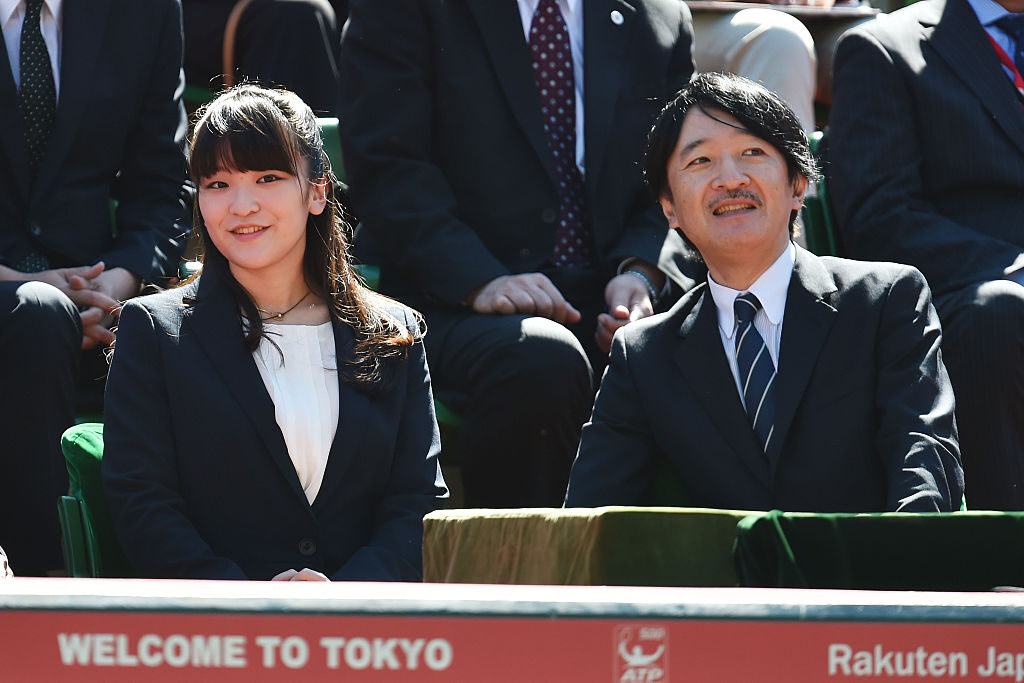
[
  {"x": 196, "y": 96},
  {"x": 332, "y": 145},
  {"x": 819, "y": 222},
  {"x": 369, "y": 274},
  {"x": 82, "y": 446},
  {"x": 447, "y": 418}
]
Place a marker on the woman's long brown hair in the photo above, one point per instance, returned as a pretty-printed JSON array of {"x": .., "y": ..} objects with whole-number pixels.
[{"x": 250, "y": 128}]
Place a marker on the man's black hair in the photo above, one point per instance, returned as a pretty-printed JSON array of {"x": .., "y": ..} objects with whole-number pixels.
[{"x": 758, "y": 110}]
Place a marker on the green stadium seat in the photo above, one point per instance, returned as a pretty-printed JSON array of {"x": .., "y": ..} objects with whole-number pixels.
[
  {"x": 332, "y": 145},
  {"x": 196, "y": 96},
  {"x": 92, "y": 528},
  {"x": 77, "y": 558},
  {"x": 819, "y": 222}
]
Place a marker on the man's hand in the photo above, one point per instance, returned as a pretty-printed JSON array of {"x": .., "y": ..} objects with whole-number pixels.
[
  {"x": 119, "y": 284},
  {"x": 628, "y": 299},
  {"x": 96, "y": 291},
  {"x": 304, "y": 574},
  {"x": 114, "y": 285},
  {"x": 526, "y": 293}
]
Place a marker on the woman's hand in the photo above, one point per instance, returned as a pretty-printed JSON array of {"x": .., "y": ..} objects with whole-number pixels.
[{"x": 305, "y": 574}]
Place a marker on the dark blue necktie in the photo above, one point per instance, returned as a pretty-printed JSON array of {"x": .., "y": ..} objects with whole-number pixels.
[
  {"x": 1013, "y": 25},
  {"x": 756, "y": 369},
  {"x": 553, "y": 72}
]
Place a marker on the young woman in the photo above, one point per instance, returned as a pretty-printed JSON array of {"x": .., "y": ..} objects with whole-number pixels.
[{"x": 272, "y": 418}]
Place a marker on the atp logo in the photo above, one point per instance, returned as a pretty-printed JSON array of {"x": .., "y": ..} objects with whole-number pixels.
[{"x": 641, "y": 654}]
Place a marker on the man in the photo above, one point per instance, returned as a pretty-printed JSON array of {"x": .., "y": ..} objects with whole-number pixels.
[
  {"x": 858, "y": 415},
  {"x": 765, "y": 45},
  {"x": 927, "y": 151},
  {"x": 788, "y": 55},
  {"x": 492, "y": 150},
  {"x": 90, "y": 110}
]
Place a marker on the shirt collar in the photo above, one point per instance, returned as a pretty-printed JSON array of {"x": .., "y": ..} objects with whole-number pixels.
[
  {"x": 572, "y": 5},
  {"x": 988, "y": 11},
  {"x": 8, "y": 7},
  {"x": 770, "y": 289}
]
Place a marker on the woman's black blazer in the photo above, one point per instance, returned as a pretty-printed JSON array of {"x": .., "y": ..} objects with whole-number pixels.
[{"x": 197, "y": 473}]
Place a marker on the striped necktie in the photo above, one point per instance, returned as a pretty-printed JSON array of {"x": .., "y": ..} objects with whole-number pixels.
[{"x": 756, "y": 369}]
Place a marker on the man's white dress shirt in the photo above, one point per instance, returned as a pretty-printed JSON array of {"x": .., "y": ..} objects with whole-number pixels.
[
  {"x": 770, "y": 289},
  {"x": 51, "y": 22}
]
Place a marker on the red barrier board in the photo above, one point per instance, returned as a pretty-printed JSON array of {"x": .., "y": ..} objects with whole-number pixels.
[
  {"x": 108, "y": 630},
  {"x": 112, "y": 646}
]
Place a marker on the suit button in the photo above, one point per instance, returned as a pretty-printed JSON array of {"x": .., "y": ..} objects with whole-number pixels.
[
  {"x": 35, "y": 229},
  {"x": 307, "y": 547},
  {"x": 548, "y": 216},
  {"x": 524, "y": 253}
]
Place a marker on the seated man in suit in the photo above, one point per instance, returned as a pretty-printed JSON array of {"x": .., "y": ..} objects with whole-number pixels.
[
  {"x": 927, "y": 168},
  {"x": 91, "y": 111},
  {"x": 498, "y": 181},
  {"x": 858, "y": 415},
  {"x": 765, "y": 45}
]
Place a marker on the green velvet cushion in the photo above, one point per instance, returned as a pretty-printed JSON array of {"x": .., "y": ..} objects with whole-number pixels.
[
  {"x": 959, "y": 551},
  {"x": 584, "y": 546}
]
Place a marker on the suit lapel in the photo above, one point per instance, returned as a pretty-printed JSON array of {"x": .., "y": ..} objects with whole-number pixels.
[
  {"x": 702, "y": 360},
  {"x": 13, "y": 141},
  {"x": 808, "y": 319},
  {"x": 604, "y": 43},
  {"x": 961, "y": 41},
  {"x": 215, "y": 321},
  {"x": 502, "y": 33},
  {"x": 84, "y": 29},
  {"x": 352, "y": 410}
]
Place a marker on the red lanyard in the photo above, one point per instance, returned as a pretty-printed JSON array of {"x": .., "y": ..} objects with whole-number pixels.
[{"x": 1005, "y": 60}]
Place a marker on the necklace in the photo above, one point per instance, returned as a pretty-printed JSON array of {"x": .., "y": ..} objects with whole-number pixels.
[{"x": 272, "y": 315}]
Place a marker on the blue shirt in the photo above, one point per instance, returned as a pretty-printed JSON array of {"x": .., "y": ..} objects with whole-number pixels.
[{"x": 988, "y": 13}]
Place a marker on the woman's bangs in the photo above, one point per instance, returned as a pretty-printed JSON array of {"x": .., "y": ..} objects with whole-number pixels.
[{"x": 242, "y": 141}]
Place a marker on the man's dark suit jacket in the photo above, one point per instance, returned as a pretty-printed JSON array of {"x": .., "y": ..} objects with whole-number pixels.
[
  {"x": 119, "y": 133},
  {"x": 198, "y": 475},
  {"x": 864, "y": 409},
  {"x": 927, "y": 146},
  {"x": 445, "y": 147}
]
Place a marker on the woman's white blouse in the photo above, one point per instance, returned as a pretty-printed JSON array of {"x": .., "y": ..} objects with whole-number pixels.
[{"x": 304, "y": 389}]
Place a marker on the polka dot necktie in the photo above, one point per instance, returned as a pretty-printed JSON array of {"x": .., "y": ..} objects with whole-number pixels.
[
  {"x": 756, "y": 369},
  {"x": 1013, "y": 25},
  {"x": 37, "y": 102},
  {"x": 37, "y": 98},
  {"x": 553, "y": 73}
]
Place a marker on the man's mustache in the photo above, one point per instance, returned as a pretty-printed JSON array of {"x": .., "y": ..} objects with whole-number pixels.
[{"x": 736, "y": 194}]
